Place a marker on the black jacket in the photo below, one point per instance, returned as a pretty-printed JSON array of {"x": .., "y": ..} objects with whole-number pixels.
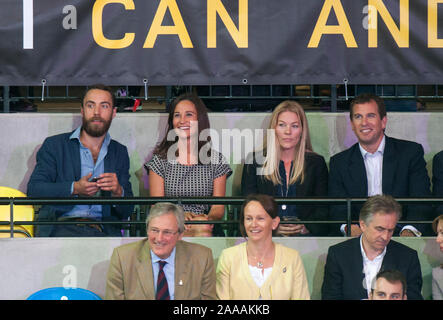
[
  {"x": 315, "y": 184},
  {"x": 344, "y": 277},
  {"x": 404, "y": 175}
]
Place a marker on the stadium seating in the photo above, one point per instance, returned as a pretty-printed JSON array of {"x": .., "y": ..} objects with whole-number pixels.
[
  {"x": 21, "y": 213},
  {"x": 60, "y": 293}
]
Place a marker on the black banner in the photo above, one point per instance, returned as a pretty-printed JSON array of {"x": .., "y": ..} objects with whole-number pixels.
[{"x": 210, "y": 42}]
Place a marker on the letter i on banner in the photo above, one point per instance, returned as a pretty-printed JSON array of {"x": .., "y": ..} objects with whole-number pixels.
[{"x": 28, "y": 24}]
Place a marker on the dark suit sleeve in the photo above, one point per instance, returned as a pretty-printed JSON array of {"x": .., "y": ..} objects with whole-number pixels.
[
  {"x": 335, "y": 183},
  {"x": 336, "y": 189},
  {"x": 437, "y": 174},
  {"x": 319, "y": 178},
  {"x": 418, "y": 175},
  {"x": 122, "y": 171},
  {"x": 249, "y": 179},
  {"x": 43, "y": 181},
  {"x": 419, "y": 186},
  {"x": 437, "y": 179},
  {"x": 333, "y": 278},
  {"x": 414, "y": 278}
]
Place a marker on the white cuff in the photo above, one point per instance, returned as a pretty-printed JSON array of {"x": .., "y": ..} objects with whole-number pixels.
[{"x": 342, "y": 229}]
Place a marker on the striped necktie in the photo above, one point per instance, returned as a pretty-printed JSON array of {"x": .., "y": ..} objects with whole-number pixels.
[{"x": 162, "y": 284}]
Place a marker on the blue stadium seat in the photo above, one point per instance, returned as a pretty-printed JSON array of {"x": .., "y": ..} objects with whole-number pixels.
[{"x": 60, "y": 293}]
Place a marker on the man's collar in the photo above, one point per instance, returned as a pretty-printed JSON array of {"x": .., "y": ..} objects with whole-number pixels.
[
  {"x": 169, "y": 260},
  {"x": 77, "y": 132},
  {"x": 380, "y": 149},
  {"x": 363, "y": 252}
]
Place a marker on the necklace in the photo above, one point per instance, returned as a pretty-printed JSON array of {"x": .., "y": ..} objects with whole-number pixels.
[
  {"x": 284, "y": 195},
  {"x": 284, "y": 207},
  {"x": 260, "y": 262}
]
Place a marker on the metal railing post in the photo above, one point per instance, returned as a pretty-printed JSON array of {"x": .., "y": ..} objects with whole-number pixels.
[
  {"x": 348, "y": 217},
  {"x": 11, "y": 216},
  {"x": 6, "y": 99},
  {"x": 333, "y": 98}
]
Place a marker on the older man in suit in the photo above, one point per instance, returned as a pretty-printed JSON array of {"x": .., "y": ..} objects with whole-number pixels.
[
  {"x": 379, "y": 164},
  {"x": 162, "y": 267},
  {"x": 351, "y": 266},
  {"x": 83, "y": 163}
]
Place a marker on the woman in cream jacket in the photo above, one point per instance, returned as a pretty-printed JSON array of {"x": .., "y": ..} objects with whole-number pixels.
[{"x": 260, "y": 268}]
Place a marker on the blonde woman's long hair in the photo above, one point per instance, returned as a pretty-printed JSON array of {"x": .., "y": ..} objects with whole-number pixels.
[{"x": 272, "y": 147}]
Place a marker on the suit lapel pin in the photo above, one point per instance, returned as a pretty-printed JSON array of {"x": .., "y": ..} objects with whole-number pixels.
[{"x": 180, "y": 283}]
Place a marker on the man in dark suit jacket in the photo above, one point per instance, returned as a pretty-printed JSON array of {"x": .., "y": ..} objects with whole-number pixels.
[
  {"x": 378, "y": 164},
  {"x": 135, "y": 273},
  {"x": 85, "y": 163},
  {"x": 351, "y": 266}
]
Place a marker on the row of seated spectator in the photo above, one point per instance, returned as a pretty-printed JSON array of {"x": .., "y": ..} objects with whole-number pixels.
[
  {"x": 87, "y": 163},
  {"x": 372, "y": 266}
]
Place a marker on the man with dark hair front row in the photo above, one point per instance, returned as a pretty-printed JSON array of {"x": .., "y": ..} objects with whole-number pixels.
[
  {"x": 389, "y": 285},
  {"x": 83, "y": 163},
  {"x": 352, "y": 265},
  {"x": 379, "y": 164}
]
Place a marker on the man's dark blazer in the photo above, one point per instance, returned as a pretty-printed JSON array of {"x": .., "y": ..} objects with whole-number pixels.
[
  {"x": 58, "y": 165},
  {"x": 344, "y": 277},
  {"x": 437, "y": 179},
  {"x": 404, "y": 175},
  {"x": 315, "y": 184}
]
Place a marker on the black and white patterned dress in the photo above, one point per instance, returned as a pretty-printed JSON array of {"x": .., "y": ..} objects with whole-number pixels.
[{"x": 190, "y": 180}]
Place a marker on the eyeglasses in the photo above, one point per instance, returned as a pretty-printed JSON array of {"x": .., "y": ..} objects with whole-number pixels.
[{"x": 166, "y": 233}]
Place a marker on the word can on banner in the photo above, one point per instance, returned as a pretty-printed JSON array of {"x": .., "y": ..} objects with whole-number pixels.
[{"x": 214, "y": 8}]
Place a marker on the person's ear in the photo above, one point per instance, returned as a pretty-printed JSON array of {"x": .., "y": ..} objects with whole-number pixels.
[
  {"x": 275, "y": 223},
  {"x": 362, "y": 225},
  {"x": 384, "y": 121}
]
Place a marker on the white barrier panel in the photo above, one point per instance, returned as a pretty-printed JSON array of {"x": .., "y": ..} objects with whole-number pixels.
[{"x": 23, "y": 133}]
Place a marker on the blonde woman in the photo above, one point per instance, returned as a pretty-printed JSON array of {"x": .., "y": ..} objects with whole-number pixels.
[
  {"x": 260, "y": 268},
  {"x": 290, "y": 169}
]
